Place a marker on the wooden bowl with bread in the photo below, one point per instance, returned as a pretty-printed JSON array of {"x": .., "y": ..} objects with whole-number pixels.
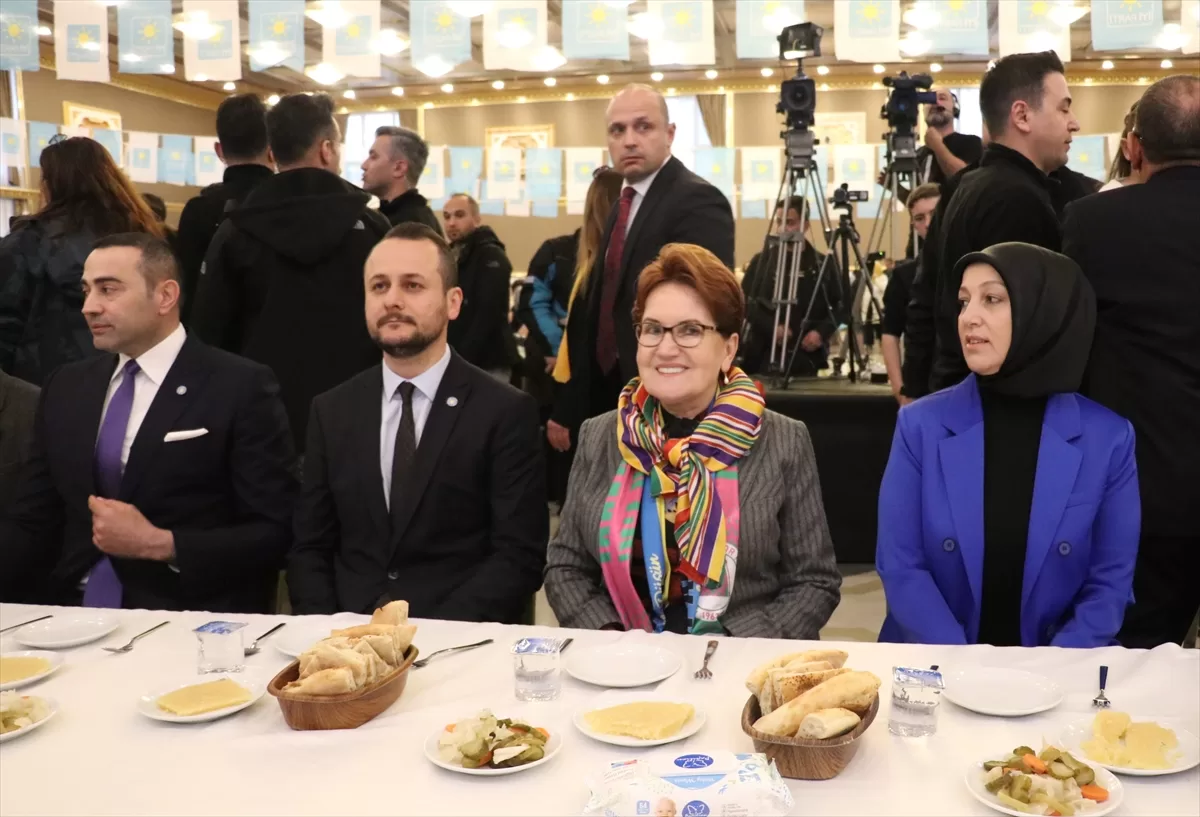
[
  {"x": 807, "y": 712},
  {"x": 347, "y": 710}
]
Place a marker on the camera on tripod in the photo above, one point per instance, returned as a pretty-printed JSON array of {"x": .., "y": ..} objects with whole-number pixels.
[
  {"x": 902, "y": 110},
  {"x": 798, "y": 95}
]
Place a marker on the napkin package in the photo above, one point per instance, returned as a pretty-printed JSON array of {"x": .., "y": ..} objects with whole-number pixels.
[{"x": 720, "y": 784}]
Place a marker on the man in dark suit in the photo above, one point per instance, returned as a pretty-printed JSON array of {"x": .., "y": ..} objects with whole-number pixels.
[
  {"x": 1139, "y": 247},
  {"x": 18, "y": 402},
  {"x": 662, "y": 202},
  {"x": 423, "y": 478},
  {"x": 161, "y": 474}
]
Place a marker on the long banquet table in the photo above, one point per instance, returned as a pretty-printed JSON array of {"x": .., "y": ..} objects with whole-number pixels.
[{"x": 100, "y": 756}]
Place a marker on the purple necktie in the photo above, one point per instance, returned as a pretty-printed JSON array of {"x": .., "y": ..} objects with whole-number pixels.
[{"x": 103, "y": 588}]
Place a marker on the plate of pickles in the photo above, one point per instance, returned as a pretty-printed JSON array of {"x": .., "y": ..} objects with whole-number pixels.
[
  {"x": 1049, "y": 782},
  {"x": 487, "y": 746}
]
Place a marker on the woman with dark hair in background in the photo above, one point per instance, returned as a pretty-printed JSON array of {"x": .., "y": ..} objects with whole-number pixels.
[
  {"x": 1121, "y": 172},
  {"x": 159, "y": 208},
  {"x": 85, "y": 197}
]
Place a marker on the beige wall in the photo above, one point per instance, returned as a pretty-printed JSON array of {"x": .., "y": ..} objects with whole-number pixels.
[{"x": 576, "y": 124}]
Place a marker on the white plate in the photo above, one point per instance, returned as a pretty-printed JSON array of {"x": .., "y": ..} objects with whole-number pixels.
[
  {"x": 148, "y": 703},
  {"x": 1079, "y": 731},
  {"x": 67, "y": 630},
  {"x": 54, "y": 658},
  {"x": 616, "y": 699},
  {"x": 1006, "y": 693},
  {"x": 51, "y": 703},
  {"x": 623, "y": 665},
  {"x": 1105, "y": 779},
  {"x": 552, "y": 746}
]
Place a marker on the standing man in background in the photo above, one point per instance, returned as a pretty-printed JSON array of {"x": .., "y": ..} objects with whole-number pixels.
[
  {"x": 281, "y": 283},
  {"x": 662, "y": 202},
  {"x": 392, "y": 170},
  {"x": 480, "y": 333},
  {"x": 946, "y": 151},
  {"x": 921, "y": 204},
  {"x": 242, "y": 146},
  {"x": 1139, "y": 247}
]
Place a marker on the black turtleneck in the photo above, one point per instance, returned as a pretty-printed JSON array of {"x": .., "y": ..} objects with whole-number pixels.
[{"x": 410, "y": 206}]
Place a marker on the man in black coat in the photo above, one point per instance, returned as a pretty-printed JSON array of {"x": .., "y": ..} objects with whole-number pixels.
[
  {"x": 18, "y": 402},
  {"x": 921, "y": 205},
  {"x": 392, "y": 170},
  {"x": 423, "y": 479},
  {"x": 1140, "y": 247},
  {"x": 242, "y": 146},
  {"x": 662, "y": 202},
  {"x": 281, "y": 281},
  {"x": 161, "y": 473}
]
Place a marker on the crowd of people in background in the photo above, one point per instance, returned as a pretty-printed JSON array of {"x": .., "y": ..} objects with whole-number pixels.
[{"x": 298, "y": 378}]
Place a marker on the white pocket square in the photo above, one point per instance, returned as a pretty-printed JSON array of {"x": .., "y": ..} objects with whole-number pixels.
[{"x": 176, "y": 436}]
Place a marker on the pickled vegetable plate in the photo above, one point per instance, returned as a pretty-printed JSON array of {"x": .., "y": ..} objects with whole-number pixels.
[
  {"x": 489, "y": 746},
  {"x": 1049, "y": 782}
]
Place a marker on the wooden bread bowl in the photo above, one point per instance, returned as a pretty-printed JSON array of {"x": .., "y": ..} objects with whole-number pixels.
[
  {"x": 803, "y": 758},
  {"x": 349, "y": 710}
]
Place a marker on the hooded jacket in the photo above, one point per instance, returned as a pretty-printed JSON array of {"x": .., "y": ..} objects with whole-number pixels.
[
  {"x": 282, "y": 284},
  {"x": 480, "y": 333}
]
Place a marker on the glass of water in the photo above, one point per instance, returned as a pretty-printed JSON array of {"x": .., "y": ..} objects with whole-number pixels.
[
  {"x": 537, "y": 668},
  {"x": 221, "y": 647},
  {"x": 916, "y": 694}
]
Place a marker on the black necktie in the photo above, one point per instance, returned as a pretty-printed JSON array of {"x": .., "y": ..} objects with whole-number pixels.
[{"x": 406, "y": 445}]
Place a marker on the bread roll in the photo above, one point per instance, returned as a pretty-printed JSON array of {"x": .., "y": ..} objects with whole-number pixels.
[
  {"x": 402, "y": 637},
  {"x": 333, "y": 681},
  {"x": 393, "y": 613},
  {"x": 756, "y": 679},
  {"x": 769, "y": 696},
  {"x": 376, "y": 666},
  {"x": 789, "y": 685},
  {"x": 359, "y": 630},
  {"x": 325, "y": 655},
  {"x": 382, "y": 646},
  {"x": 835, "y": 658},
  {"x": 828, "y": 723},
  {"x": 850, "y": 690}
]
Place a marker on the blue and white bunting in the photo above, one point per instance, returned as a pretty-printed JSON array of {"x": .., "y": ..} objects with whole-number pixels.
[
  {"x": 145, "y": 38},
  {"x": 595, "y": 30},
  {"x": 756, "y": 208},
  {"x": 543, "y": 174},
  {"x": 545, "y": 209},
  {"x": 759, "y": 23},
  {"x": 12, "y": 147},
  {"x": 40, "y": 134},
  {"x": 141, "y": 156},
  {"x": 962, "y": 28},
  {"x": 209, "y": 169},
  {"x": 352, "y": 48},
  {"x": 867, "y": 30},
  {"x": 440, "y": 38},
  {"x": 1121, "y": 24},
  {"x": 504, "y": 173},
  {"x": 490, "y": 204},
  {"x": 112, "y": 142},
  {"x": 1087, "y": 156},
  {"x": 18, "y": 36},
  {"x": 433, "y": 177},
  {"x": 519, "y": 208},
  {"x": 1028, "y": 26},
  {"x": 217, "y": 55},
  {"x": 762, "y": 170},
  {"x": 175, "y": 165},
  {"x": 580, "y": 164},
  {"x": 466, "y": 166},
  {"x": 717, "y": 166},
  {"x": 854, "y": 165},
  {"x": 514, "y": 35},
  {"x": 276, "y": 34},
  {"x": 81, "y": 41},
  {"x": 686, "y": 32}
]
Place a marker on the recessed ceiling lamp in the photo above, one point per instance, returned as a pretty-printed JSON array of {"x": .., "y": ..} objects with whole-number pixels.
[
  {"x": 549, "y": 82},
  {"x": 498, "y": 85},
  {"x": 1166, "y": 64},
  {"x": 602, "y": 79},
  {"x": 427, "y": 105},
  {"x": 268, "y": 54},
  {"x": 397, "y": 91},
  {"x": 822, "y": 69},
  {"x": 767, "y": 72},
  {"x": 200, "y": 78},
  {"x": 878, "y": 69},
  {"x": 44, "y": 31},
  {"x": 522, "y": 99},
  {"x": 447, "y": 88},
  {"x": 230, "y": 86},
  {"x": 570, "y": 97},
  {"x": 324, "y": 74},
  {"x": 474, "y": 103},
  {"x": 1107, "y": 65},
  {"x": 657, "y": 76},
  {"x": 711, "y": 73},
  {"x": 349, "y": 94},
  {"x": 167, "y": 68},
  {"x": 935, "y": 67},
  {"x": 1171, "y": 38},
  {"x": 273, "y": 99},
  {"x": 824, "y": 86}
]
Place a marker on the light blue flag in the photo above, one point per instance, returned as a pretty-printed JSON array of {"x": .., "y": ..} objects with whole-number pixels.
[
  {"x": 139, "y": 159},
  {"x": 40, "y": 134},
  {"x": 437, "y": 205},
  {"x": 11, "y": 146},
  {"x": 175, "y": 163},
  {"x": 870, "y": 18},
  {"x": 962, "y": 28},
  {"x": 437, "y": 31},
  {"x": 1121, "y": 24},
  {"x": 1087, "y": 156},
  {"x": 581, "y": 170},
  {"x": 716, "y": 165},
  {"x": 594, "y": 30},
  {"x": 465, "y": 167},
  {"x": 543, "y": 174},
  {"x": 870, "y": 207},
  {"x": 355, "y": 37},
  {"x": 79, "y": 36},
  {"x": 276, "y": 34},
  {"x": 145, "y": 39},
  {"x": 489, "y": 206},
  {"x": 758, "y": 26},
  {"x": 111, "y": 139},
  {"x": 754, "y": 209},
  {"x": 853, "y": 171},
  {"x": 683, "y": 21},
  {"x": 18, "y": 35},
  {"x": 545, "y": 209}
]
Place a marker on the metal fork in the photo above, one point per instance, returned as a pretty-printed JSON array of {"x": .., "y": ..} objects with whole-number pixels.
[
  {"x": 703, "y": 673},
  {"x": 432, "y": 655},
  {"x": 1100, "y": 700},
  {"x": 129, "y": 646}
]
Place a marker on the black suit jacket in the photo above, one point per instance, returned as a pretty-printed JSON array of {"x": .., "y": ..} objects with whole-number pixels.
[
  {"x": 469, "y": 541},
  {"x": 679, "y": 208},
  {"x": 1140, "y": 249},
  {"x": 227, "y": 496},
  {"x": 18, "y": 404}
]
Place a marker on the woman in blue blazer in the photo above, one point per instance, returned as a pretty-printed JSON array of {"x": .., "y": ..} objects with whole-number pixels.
[{"x": 1009, "y": 510}]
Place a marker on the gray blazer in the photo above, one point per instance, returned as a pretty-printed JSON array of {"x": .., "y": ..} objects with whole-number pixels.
[
  {"x": 18, "y": 404},
  {"x": 787, "y": 580}
]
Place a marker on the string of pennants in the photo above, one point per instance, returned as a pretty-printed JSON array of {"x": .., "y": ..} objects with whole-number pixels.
[{"x": 516, "y": 33}]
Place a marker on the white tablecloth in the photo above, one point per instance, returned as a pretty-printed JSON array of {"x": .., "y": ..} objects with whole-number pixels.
[{"x": 99, "y": 756}]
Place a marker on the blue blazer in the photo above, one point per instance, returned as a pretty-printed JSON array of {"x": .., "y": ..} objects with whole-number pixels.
[{"x": 1083, "y": 524}]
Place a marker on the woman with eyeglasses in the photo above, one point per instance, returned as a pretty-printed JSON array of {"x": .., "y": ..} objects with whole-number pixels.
[
  {"x": 692, "y": 508},
  {"x": 85, "y": 196}
]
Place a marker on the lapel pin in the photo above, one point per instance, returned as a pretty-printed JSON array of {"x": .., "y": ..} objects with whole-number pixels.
[
  {"x": 182, "y": 390},
  {"x": 451, "y": 401}
]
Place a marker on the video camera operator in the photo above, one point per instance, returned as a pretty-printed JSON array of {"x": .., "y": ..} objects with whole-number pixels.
[{"x": 946, "y": 151}]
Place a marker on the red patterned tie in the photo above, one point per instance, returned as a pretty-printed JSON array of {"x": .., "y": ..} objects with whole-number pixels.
[{"x": 606, "y": 333}]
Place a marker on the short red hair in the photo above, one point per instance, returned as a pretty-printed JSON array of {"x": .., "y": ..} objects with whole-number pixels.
[{"x": 698, "y": 269}]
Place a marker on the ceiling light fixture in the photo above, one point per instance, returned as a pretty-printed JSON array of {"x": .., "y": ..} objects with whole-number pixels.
[
  {"x": 1107, "y": 65},
  {"x": 200, "y": 78},
  {"x": 273, "y": 99},
  {"x": 822, "y": 69},
  {"x": 1166, "y": 64},
  {"x": 772, "y": 88},
  {"x": 474, "y": 103},
  {"x": 549, "y": 82},
  {"x": 602, "y": 79},
  {"x": 447, "y": 88},
  {"x": 767, "y": 72},
  {"x": 397, "y": 91},
  {"x": 570, "y": 97},
  {"x": 427, "y": 105},
  {"x": 44, "y": 31},
  {"x": 268, "y": 54},
  {"x": 324, "y": 74},
  {"x": 711, "y": 73},
  {"x": 498, "y": 85},
  {"x": 522, "y": 99},
  {"x": 657, "y": 76},
  {"x": 878, "y": 69},
  {"x": 670, "y": 92},
  {"x": 349, "y": 94},
  {"x": 824, "y": 86},
  {"x": 230, "y": 86},
  {"x": 935, "y": 67}
]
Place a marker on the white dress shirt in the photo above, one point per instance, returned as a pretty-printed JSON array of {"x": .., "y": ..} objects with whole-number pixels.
[
  {"x": 641, "y": 188},
  {"x": 153, "y": 365},
  {"x": 425, "y": 386}
]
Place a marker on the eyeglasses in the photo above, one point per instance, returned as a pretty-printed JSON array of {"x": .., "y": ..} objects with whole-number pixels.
[{"x": 686, "y": 335}]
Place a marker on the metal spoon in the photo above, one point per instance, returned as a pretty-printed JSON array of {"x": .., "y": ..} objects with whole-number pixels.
[{"x": 253, "y": 648}]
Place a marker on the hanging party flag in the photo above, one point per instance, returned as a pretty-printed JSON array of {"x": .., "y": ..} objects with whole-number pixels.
[
  {"x": 717, "y": 166},
  {"x": 962, "y": 28},
  {"x": 80, "y": 40},
  {"x": 209, "y": 169},
  {"x": 145, "y": 38},
  {"x": 1189, "y": 22},
  {"x": 12, "y": 145},
  {"x": 141, "y": 156},
  {"x": 276, "y": 34},
  {"x": 504, "y": 173},
  {"x": 1087, "y": 156},
  {"x": 759, "y": 23},
  {"x": 514, "y": 34},
  {"x": 216, "y": 52},
  {"x": 440, "y": 38},
  {"x": 543, "y": 174},
  {"x": 18, "y": 35},
  {"x": 518, "y": 209},
  {"x": 1028, "y": 26},
  {"x": 40, "y": 134},
  {"x": 761, "y": 173},
  {"x": 1121, "y": 24},
  {"x": 753, "y": 209},
  {"x": 687, "y": 33},
  {"x": 175, "y": 164},
  {"x": 433, "y": 177},
  {"x": 545, "y": 209},
  {"x": 113, "y": 143},
  {"x": 867, "y": 30},
  {"x": 490, "y": 204},
  {"x": 595, "y": 30},
  {"x": 854, "y": 165},
  {"x": 466, "y": 165},
  {"x": 352, "y": 47},
  {"x": 581, "y": 163}
]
